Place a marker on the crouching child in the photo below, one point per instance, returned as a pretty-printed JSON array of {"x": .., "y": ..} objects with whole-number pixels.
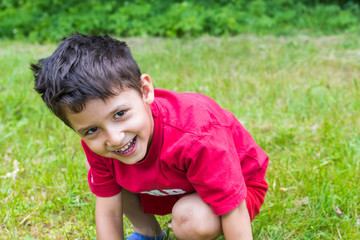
[{"x": 152, "y": 151}]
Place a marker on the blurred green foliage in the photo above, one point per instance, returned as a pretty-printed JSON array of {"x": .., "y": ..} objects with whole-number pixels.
[{"x": 43, "y": 20}]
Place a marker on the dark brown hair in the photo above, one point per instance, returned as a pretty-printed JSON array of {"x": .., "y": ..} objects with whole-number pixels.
[{"x": 84, "y": 68}]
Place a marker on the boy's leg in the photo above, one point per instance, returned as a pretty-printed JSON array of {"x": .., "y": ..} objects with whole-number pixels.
[
  {"x": 145, "y": 224},
  {"x": 194, "y": 219}
]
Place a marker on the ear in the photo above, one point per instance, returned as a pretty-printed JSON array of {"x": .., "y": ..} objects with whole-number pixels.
[{"x": 147, "y": 89}]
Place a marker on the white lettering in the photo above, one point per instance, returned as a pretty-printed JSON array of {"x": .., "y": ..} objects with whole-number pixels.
[
  {"x": 164, "y": 192},
  {"x": 155, "y": 193},
  {"x": 174, "y": 191}
]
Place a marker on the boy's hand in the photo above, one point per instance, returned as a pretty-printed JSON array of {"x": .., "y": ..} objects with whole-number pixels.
[
  {"x": 109, "y": 218},
  {"x": 236, "y": 223}
]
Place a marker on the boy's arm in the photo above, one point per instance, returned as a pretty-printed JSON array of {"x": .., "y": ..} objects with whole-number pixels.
[
  {"x": 236, "y": 223},
  {"x": 109, "y": 218}
]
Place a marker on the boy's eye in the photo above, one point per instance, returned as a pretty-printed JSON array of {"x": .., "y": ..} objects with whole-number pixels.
[
  {"x": 119, "y": 114},
  {"x": 92, "y": 130}
]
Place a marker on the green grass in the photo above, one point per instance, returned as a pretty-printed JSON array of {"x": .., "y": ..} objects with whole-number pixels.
[{"x": 298, "y": 96}]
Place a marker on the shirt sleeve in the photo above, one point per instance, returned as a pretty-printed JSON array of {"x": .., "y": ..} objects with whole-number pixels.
[
  {"x": 100, "y": 176},
  {"x": 214, "y": 169}
]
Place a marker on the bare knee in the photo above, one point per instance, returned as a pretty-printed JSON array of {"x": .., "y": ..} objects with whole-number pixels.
[{"x": 194, "y": 219}]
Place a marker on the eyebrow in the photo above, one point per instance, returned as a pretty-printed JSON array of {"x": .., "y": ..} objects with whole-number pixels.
[{"x": 115, "y": 110}]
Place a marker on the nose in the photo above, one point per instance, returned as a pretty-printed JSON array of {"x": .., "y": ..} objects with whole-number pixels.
[{"x": 114, "y": 137}]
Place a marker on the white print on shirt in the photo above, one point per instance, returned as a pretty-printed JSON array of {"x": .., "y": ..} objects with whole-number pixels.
[{"x": 164, "y": 192}]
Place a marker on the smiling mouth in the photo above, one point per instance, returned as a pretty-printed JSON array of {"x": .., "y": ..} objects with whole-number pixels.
[{"x": 128, "y": 147}]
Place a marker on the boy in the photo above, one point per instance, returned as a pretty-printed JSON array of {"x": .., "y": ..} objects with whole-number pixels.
[{"x": 152, "y": 151}]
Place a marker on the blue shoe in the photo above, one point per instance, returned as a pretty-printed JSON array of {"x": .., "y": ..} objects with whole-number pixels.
[{"x": 138, "y": 236}]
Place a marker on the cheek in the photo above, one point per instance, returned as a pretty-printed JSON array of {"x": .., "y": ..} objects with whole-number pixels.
[
  {"x": 95, "y": 146},
  {"x": 139, "y": 124}
]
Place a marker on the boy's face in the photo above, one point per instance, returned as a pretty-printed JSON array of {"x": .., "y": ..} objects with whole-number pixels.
[{"x": 120, "y": 127}]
